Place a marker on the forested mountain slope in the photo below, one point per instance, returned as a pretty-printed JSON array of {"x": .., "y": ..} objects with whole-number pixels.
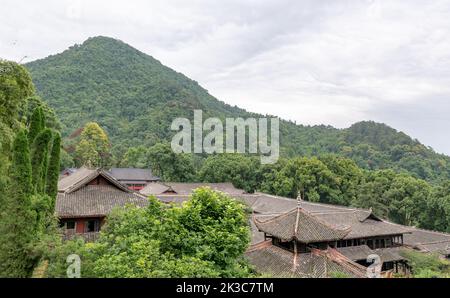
[{"x": 135, "y": 98}]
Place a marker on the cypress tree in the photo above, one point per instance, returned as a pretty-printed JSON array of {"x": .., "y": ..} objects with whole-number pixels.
[
  {"x": 53, "y": 167},
  {"x": 39, "y": 160},
  {"x": 37, "y": 124},
  {"x": 18, "y": 220}
]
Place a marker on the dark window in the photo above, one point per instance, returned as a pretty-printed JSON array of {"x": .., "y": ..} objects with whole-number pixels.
[
  {"x": 92, "y": 226},
  {"x": 388, "y": 242},
  {"x": 70, "y": 225}
]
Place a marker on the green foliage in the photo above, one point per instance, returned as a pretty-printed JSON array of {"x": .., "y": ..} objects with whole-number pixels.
[
  {"x": 24, "y": 220},
  {"x": 37, "y": 124},
  {"x": 136, "y": 157},
  {"x": 93, "y": 148},
  {"x": 163, "y": 162},
  {"x": 66, "y": 161},
  {"x": 15, "y": 87},
  {"x": 427, "y": 265},
  {"x": 168, "y": 165},
  {"x": 219, "y": 226},
  {"x": 50, "y": 119},
  {"x": 39, "y": 160},
  {"x": 242, "y": 171},
  {"x": 373, "y": 192},
  {"x": 54, "y": 167},
  {"x": 348, "y": 178},
  {"x": 408, "y": 200},
  {"x": 57, "y": 256},
  {"x": 204, "y": 238},
  {"x": 400, "y": 198},
  {"x": 21, "y": 176},
  {"x": 309, "y": 176},
  {"x": 437, "y": 216},
  {"x": 17, "y": 217}
]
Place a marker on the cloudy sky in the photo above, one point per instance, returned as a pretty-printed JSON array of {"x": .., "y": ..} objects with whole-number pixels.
[{"x": 315, "y": 62}]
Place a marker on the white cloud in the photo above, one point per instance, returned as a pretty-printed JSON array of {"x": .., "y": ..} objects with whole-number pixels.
[{"x": 330, "y": 62}]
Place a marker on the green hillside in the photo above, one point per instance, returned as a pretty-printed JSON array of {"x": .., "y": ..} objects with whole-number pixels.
[{"x": 135, "y": 98}]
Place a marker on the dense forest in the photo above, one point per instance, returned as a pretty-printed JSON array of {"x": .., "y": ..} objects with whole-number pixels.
[{"x": 134, "y": 98}]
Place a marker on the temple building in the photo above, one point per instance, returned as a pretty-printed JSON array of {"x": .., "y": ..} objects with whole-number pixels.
[
  {"x": 350, "y": 236},
  {"x": 86, "y": 197},
  {"x": 135, "y": 179},
  {"x": 290, "y": 238}
]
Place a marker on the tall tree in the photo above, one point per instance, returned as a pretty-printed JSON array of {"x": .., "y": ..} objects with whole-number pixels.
[
  {"x": 307, "y": 175},
  {"x": 243, "y": 171},
  {"x": 15, "y": 87},
  {"x": 169, "y": 165},
  {"x": 53, "y": 167},
  {"x": 17, "y": 220},
  {"x": 37, "y": 124},
  {"x": 40, "y": 159},
  {"x": 93, "y": 149}
]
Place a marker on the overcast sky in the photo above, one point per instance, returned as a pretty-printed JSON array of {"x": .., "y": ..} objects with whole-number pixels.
[{"x": 315, "y": 62}]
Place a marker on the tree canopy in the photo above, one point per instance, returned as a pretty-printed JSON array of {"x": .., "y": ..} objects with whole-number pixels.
[
  {"x": 206, "y": 237},
  {"x": 93, "y": 148}
]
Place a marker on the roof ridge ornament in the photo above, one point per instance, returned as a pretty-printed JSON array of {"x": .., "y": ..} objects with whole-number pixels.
[{"x": 299, "y": 198}]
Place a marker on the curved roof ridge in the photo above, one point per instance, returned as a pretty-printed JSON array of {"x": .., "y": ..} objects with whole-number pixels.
[
  {"x": 284, "y": 214},
  {"x": 307, "y": 229},
  {"x": 314, "y": 203}
]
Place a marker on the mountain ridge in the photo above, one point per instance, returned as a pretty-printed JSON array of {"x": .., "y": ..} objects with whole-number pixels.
[{"x": 135, "y": 98}]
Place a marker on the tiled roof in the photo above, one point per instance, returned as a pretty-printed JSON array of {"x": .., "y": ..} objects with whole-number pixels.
[
  {"x": 76, "y": 178},
  {"x": 390, "y": 254},
  {"x": 85, "y": 175},
  {"x": 187, "y": 188},
  {"x": 361, "y": 252},
  {"x": 133, "y": 174},
  {"x": 361, "y": 228},
  {"x": 428, "y": 241},
  {"x": 154, "y": 188},
  {"x": 300, "y": 225},
  {"x": 76, "y": 198},
  {"x": 94, "y": 201},
  {"x": 362, "y": 222},
  {"x": 278, "y": 262},
  {"x": 355, "y": 253}
]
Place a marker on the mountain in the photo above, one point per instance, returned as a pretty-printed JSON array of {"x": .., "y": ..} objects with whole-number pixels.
[{"x": 135, "y": 98}]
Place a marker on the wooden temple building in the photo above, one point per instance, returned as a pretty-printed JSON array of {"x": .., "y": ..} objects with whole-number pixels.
[
  {"x": 290, "y": 238},
  {"x": 86, "y": 197},
  {"x": 135, "y": 179},
  {"x": 301, "y": 233}
]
